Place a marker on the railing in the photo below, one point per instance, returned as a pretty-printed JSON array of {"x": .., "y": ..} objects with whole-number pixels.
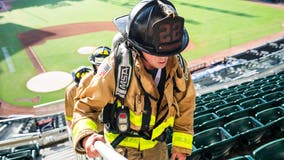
[{"x": 107, "y": 153}]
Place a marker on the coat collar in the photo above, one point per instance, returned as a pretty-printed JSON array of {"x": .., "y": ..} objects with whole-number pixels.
[{"x": 147, "y": 81}]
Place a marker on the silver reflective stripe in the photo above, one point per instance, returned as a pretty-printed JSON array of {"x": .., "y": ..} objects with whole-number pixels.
[{"x": 124, "y": 72}]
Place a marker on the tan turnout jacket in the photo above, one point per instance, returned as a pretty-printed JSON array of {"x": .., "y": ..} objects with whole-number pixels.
[{"x": 178, "y": 103}]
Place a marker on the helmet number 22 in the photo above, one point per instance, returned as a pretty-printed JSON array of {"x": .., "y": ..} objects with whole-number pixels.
[{"x": 170, "y": 32}]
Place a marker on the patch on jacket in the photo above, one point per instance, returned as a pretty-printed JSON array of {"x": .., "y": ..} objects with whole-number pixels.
[{"x": 104, "y": 69}]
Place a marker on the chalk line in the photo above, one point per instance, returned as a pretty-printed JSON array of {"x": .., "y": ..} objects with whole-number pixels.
[{"x": 8, "y": 59}]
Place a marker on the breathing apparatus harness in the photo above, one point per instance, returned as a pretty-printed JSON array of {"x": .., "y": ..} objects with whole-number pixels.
[{"x": 116, "y": 117}]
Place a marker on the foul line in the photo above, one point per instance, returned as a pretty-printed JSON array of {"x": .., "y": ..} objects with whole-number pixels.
[{"x": 8, "y": 59}]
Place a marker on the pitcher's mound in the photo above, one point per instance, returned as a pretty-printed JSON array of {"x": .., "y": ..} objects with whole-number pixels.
[
  {"x": 49, "y": 81},
  {"x": 86, "y": 50}
]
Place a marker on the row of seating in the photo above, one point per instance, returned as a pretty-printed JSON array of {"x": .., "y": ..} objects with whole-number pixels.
[
  {"x": 21, "y": 152},
  {"x": 272, "y": 150},
  {"x": 241, "y": 118}
]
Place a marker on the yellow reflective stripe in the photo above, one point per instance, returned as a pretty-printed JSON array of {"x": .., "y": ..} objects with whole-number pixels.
[
  {"x": 183, "y": 140},
  {"x": 134, "y": 142},
  {"x": 84, "y": 124},
  {"x": 153, "y": 120},
  {"x": 68, "y": 118},
  {"x": 147, "y": 144},
  {"x": 137, "y": 119},
  {"x": 160, "y": 128}
]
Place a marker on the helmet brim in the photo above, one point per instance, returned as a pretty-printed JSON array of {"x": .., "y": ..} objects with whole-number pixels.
[{"x": 121, "y": 25}]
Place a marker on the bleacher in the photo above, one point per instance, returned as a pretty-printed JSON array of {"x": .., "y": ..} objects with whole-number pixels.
[
  {"x": 25, "y": 138},
  {"x": 239, "y": 114}
]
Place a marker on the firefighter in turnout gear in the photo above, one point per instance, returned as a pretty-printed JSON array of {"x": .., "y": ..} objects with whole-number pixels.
[
  {"x": 71, "y": 91},
  {"x": 143, "y": 89},
  {"x": 81, "y": 77}
]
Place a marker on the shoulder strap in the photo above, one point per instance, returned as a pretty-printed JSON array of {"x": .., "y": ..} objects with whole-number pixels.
[
  {"x": 123, "y": 70},
  {"x": 181, "y": 63}
]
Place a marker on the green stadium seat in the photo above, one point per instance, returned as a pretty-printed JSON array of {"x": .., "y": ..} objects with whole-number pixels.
[
  {"x": 225, "y": 92},
  {"x": 4, "y": 152},
  {"x": 248, "y": 130},
  {"x": 204, "y": 118},
  {"x": 219, "y": 122},
  {"x": 234, "y": 98},
  {"x": 270, "y": 151},
  {"x": 21, "y": 155},
  {"x": 252, "y": 103},
  {"x": 264, "y": 106},
  {"x": 239, "y": 114},
  {"x": 271, "y": 118},
  {"x": 245, "y": 157},
  {"x": 224, "y": 112},
  {"x": 199, "y": 109},
  {"x": 269, "y": 87},
  {"x": 269, "y": 115},
  {"x": 212, "y": 98},
  {"x": 32, "y": 146},
  {"x": 214, "y": 142},
  {"x": 241, "y": 87},
  {"x": 273, "y": 96},
  {"x": 252, "y": 92},
  {"x": 215, "y": 104},
  {"x": 278, "y": 127}
]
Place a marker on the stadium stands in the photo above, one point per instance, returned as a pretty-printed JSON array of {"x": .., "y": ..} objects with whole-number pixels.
[
  {"x": 248, "y": 104},
  {"x": 239, "y": 114}
]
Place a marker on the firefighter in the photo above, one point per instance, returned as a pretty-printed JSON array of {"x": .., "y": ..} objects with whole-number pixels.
[{"x": 143, "y": 89}]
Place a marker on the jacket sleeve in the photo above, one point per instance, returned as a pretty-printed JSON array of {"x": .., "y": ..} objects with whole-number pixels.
[
  {"x": 183, "y": 126},
  {"x": 90, "y": 102},
  {"x": 70, "y": 94}
]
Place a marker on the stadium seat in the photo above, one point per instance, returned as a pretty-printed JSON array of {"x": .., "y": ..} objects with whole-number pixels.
[
  {"x": 32, "y": 146},
  {"x": 21, "y": 155},
  {"x": 270, "y": 151},
  {"x": 269, "y": 87},
  {"x": 252, "y": 92},
  {"x": 234, "y": 98},
  {"x": 273, "y": 96},
  {"x": 218, "y": 122},
  {"x": 252, "y": 103},
  {"x": 199, "y": 110},
  {"x": 241, "y": 87},
  {"x": 204, "y": 118},
  {"x": 269, "y": 115},
  {"x": 212, "y": 98},
  {"x": 215, "y": 104},
  {"x": 271, "y": 118},
  {"x": 239, "y": 114},
  {"x": 224, "y": 112},
  {"x": 4, "y": 152},
  {"x": 245, "y": 157},
  {"x": 248, "y": 130},
  {"x": 264, "y": 106},
  {"x": 214, "y": 142}
]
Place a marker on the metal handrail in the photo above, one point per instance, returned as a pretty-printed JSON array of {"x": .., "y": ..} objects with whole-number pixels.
[{"x": 107, "y": 152}]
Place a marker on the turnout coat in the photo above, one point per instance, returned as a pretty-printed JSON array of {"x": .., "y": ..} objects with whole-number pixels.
[{"x": 176, "y": 108}]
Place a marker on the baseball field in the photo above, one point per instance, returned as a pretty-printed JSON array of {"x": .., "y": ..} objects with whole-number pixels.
[{"x": 40, "y": 36}]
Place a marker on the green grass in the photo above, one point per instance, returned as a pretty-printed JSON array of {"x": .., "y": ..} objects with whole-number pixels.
[{"x": 212, "y": 25}]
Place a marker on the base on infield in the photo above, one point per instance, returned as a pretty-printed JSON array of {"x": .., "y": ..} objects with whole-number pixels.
[
  {"x": 49, "y": 81},
  {"x": 86, "y": 50}
]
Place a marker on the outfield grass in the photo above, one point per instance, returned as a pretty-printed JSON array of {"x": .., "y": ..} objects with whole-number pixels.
[{"x": 213, "y": 26}]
